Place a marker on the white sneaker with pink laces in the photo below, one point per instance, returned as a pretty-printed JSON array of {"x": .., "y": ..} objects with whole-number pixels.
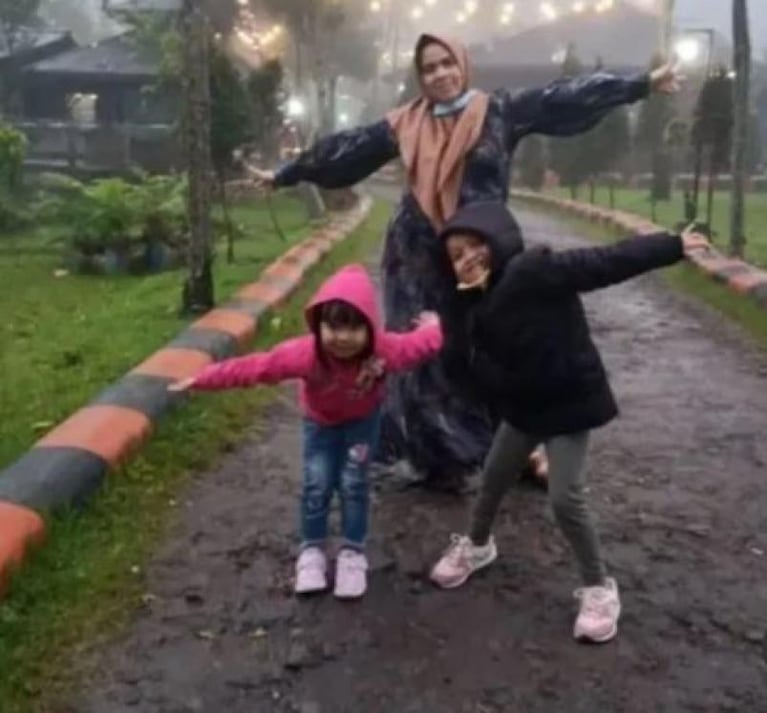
[
  {"x": 461, "y": 559},
  {"x": 351, "y": 574},
  {"x": 311, "y": 571},
  {"x": 599, "y": 613}
]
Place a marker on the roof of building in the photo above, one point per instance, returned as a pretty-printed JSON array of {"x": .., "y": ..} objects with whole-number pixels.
[
  {"x": 116, "y": 57},
  {"x": 144, "y": 5},
  {"x": 624, "y": 36},
  {"x": 29, "y": 41}
]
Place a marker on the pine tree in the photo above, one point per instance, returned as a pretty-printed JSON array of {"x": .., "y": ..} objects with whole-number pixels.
[
  {"x": 656, "y": 113},
  {"x": 712, "y": 129},
  {"x": 531, "y": 162},
  {"x": 571, "y": 157}
]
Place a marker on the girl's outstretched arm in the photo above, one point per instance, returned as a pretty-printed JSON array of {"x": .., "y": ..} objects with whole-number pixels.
[
  {"x": 291, "y": 359},
  {"x": 407, "y": 350},
  {"x": 587, "y": 269}
]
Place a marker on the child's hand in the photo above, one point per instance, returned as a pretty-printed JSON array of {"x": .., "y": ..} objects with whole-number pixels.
[
  {"x": 372, "y": 371},
  {"x": 180, "y": 386},
  {"x": 426, "y": 319},
  {"x": 692, "y": 240}
]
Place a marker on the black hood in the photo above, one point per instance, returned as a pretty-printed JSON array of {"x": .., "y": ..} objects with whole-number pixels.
[{"x": 493, "y": 222}]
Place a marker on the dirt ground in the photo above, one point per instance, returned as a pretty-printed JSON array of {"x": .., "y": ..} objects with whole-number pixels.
[{"x": 678, "y": 483}]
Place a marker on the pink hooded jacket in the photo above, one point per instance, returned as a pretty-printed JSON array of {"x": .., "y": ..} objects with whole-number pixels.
[{"x": 329, "y": 393}]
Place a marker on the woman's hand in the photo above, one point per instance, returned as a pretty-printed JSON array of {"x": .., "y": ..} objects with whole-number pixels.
[
  {"x": 666, "y": 79},
  {"x": 263, "y": 179},
  {"x": 693, "y": 240},
  {"x": 181, "y": 386}
]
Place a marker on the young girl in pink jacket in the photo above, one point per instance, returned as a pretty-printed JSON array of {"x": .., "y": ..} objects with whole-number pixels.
[{"x": 341, "y": 366}]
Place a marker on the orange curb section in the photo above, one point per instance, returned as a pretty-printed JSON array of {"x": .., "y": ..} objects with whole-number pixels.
[
  {"x": 237, "y": 324},
  {"x": 174, "y": 363},
  {"x": 304, "y": 255},
  {"x": 713, "y": 265},
  {"x": 747, "y": 281},
  {"x": 263, "y": 292},
  {"x": 111, "y": 432},
  {"x": 20, "y": 527},
  {"x": 286, "y": 270}
]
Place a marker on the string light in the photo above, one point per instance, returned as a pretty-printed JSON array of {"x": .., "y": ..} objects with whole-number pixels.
[{"x": 548, "y": 11}]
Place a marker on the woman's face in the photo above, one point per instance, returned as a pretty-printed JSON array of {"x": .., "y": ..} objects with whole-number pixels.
[
  {"x": 441, "y": 77},
  {"x": 470, "y": 257}
]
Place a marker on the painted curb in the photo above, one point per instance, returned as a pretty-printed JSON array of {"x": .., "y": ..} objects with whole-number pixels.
[
  {"x": 71, "y": 462},
  {"x": 740, "y": 277}
]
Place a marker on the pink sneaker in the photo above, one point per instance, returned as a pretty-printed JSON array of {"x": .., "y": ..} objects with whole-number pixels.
[
  {"x": 598, "y": 616},
  {"x": 461, "y": 560},
  {"x": 311, "y": 571},
  {"x": 351, "y": 574}
]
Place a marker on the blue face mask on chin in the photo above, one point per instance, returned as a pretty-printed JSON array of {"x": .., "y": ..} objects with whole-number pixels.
[{"x": 456, "y": 106}]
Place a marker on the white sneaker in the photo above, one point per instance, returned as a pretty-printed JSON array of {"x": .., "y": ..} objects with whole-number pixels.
[
  {"x": 461, "y": 560},
  {"x": 311, "y": 571},
  {"x": 599, "y": 613},
  {"x": 351, "y": 574}
]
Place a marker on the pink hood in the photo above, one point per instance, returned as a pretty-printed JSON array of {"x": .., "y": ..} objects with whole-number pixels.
[{"x": 351, "y": 284}]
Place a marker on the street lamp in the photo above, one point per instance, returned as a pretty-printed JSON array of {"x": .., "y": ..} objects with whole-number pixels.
[
  {"x": 295, "y": 108},
  {"x": 688, "y": 47},
  {"x": 548, "y": 11}
]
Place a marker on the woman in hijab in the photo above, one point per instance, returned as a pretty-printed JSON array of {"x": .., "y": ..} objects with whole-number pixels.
[{"x": 456, "y": 144}]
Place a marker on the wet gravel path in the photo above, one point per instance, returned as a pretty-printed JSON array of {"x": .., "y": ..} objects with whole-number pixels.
[{"x": 679, "y": 486}]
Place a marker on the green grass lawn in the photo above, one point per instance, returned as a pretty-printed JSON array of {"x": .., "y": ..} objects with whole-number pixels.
[
  {"x": 87, "y": 582},
  {"x": 64, "y": 339},
  {"x": 672, "y": 212}
]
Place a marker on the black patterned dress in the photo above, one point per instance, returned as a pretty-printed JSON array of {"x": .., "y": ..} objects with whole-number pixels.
[{"x": 425, "y": 420}]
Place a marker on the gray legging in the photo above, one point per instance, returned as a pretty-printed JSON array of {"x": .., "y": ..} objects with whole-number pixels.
[{"x": 567, "y": 456}]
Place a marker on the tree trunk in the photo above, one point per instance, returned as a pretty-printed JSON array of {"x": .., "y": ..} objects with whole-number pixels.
[
  {"x": 228, "y": 224},
  {"x": 696, "y": 176},
  {"x": 332, "y": 102},
  {"x": 742, "y": 64},
  {"x": 611, "y": 188},
  {"x": 198, "y": 290},
  {"x": 592, "y": 191},
  {"x": 712, "y": 174}
]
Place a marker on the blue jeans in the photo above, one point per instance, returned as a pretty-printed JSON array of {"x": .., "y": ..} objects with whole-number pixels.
[{"x": 337, "y": 459}]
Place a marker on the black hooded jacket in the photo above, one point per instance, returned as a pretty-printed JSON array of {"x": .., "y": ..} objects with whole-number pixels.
[{"x": 522, "y": 346}]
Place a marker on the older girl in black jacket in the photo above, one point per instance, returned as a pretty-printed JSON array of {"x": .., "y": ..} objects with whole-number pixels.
[{"x": 516, "y": 336}]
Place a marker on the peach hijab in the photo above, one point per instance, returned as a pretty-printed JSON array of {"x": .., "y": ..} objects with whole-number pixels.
[{"x": 433, "y": 149}]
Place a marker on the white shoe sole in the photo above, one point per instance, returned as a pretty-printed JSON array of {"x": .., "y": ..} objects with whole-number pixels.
[
  {"x": 598, "y": 640},
  {"x": 460, "y": 582},
  {"x": 311, "y": 590}
]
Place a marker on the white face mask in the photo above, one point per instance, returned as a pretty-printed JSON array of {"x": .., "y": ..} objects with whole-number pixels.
[{"x": 479, "y": 283}]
